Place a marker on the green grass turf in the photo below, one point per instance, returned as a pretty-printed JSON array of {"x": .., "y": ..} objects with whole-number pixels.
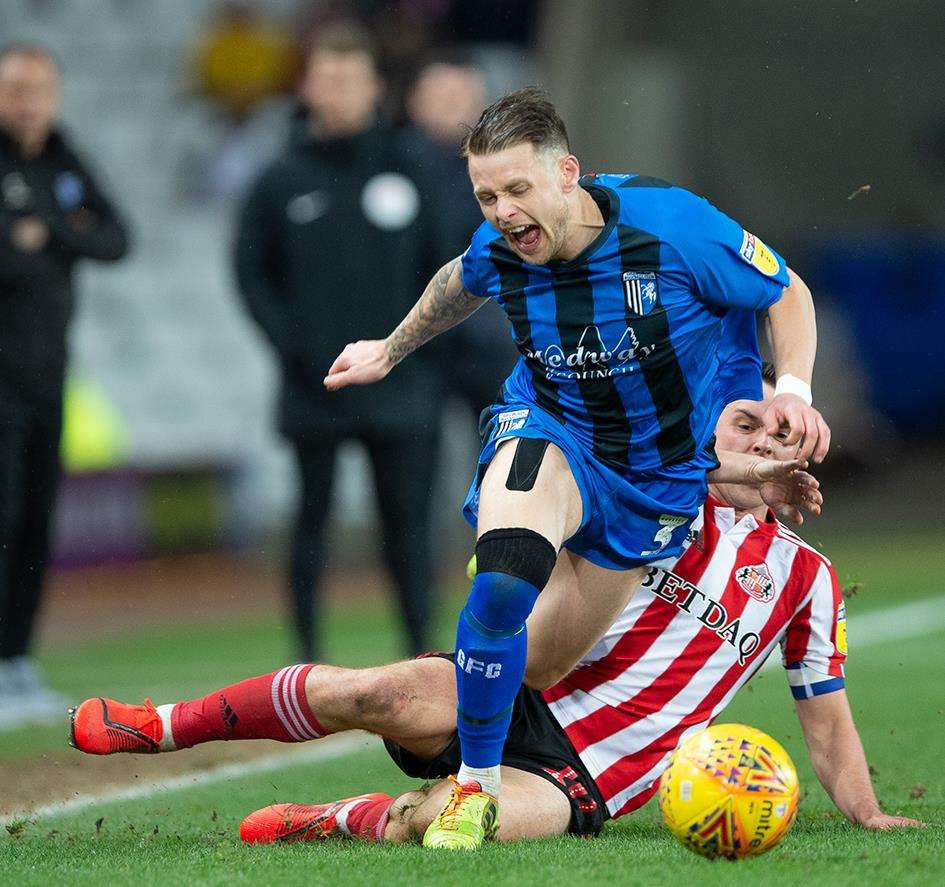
[
  {"x": 876, "y": 564},
  {"x": 195, "y": 840},
  {"x": 895, "y": 690},
  {"x": 172, "y": 663}
]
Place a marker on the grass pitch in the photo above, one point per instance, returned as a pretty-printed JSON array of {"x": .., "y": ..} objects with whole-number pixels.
[{"x": 189, "y": 836}]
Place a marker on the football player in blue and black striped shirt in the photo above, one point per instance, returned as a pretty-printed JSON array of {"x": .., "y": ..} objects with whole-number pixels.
[{"x": 595, "y": 460}]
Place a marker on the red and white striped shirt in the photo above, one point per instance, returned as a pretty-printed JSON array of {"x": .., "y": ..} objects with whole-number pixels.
[{"x": 697, "y": 629}]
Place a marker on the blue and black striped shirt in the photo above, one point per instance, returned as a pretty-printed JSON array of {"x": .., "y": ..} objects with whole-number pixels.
[{"x": 622, "y": 343}]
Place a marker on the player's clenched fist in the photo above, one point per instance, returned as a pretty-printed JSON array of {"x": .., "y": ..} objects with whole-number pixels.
[
  {"x": 806, "y": 428},
  {"x": 359, "y": 364}
]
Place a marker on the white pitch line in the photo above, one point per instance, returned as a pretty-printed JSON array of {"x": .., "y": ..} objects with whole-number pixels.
[
  {"x": 881, "y": 626},
  {"x": 905, "y": 621},
  {"x": 868, "y": 630},
  {"x": 322, "y": 750}
]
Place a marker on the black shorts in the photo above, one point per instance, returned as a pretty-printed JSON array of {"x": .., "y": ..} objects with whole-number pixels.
[{"x": 536, "y": 744}]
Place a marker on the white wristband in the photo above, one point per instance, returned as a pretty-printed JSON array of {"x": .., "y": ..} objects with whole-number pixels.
[{"x": 788, "y": 384}]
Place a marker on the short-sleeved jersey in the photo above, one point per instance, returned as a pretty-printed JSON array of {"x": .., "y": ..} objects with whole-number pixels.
[
  {"x": 620, "y": 343},
  {"x": 696, "y": 631}
]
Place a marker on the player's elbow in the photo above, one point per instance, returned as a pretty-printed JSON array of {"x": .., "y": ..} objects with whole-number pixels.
[{"x": 797, "y": 289}]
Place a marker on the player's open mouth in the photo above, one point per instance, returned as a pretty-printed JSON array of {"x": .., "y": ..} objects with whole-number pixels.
[{"x": 526, "y": 237}]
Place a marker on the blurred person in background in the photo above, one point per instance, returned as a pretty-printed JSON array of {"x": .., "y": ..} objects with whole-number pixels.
[
  {"x": 242, "y": 60},
  {"x": 403, "y": 32},
  {"x": 335, "y": 237},
  {"x": 443, "y": 103},
  {"x": 245, "y": 66},
  {"x": 51, "y": 214}
]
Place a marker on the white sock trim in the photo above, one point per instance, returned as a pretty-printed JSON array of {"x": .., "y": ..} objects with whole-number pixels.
[
  {"x": 287, "y": 706},
  {"x": 341, "y": 817},
  {"x": 490, "y": 778},
  {"x": 167, "y": 735}
]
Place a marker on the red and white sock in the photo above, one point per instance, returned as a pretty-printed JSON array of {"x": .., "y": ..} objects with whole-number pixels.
[
  {"x": 271, "y": 706},
  {"x": 365, "y": 817}
]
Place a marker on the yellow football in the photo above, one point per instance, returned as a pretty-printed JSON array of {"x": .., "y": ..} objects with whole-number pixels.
[{"x": 729, "y": 791}]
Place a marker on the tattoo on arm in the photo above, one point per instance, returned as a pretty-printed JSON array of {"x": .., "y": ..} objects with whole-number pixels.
[{"x": 444, "y": 303}]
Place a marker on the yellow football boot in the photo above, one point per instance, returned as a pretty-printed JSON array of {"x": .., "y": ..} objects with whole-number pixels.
[{"x": 469, "y": 817}]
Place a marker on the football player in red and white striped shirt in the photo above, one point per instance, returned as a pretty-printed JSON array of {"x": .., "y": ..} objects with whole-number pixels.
[{"x": 593, "y": 745}]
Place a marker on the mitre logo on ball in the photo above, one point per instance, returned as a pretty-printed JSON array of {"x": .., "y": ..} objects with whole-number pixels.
[
  {"x": 756, "y": 582},
  {"x": 729, "y": 791}
]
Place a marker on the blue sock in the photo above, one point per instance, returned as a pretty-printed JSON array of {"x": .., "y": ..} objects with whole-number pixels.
[{"x": 491, "y": 649}]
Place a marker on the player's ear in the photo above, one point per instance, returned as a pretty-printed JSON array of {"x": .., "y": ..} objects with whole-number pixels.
[{"x": 570, "y": 172}]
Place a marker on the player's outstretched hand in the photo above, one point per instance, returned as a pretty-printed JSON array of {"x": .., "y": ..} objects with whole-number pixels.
[
  {"x": 786, "y": 488},
  {"x": 359, "y": 364},
  {"x": 883, "y": 822},
  {"x": 806, "y": 428}
]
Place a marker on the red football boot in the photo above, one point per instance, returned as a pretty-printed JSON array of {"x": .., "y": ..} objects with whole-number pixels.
[
  {"x": 105, "y": 727},
  {"x": 302, "y": 822}
]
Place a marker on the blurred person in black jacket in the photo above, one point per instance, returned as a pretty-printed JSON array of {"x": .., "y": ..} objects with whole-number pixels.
[
  {"x": 335, "y": 238},
  {"x": 444, "y": 101},
  {"x": 51, "y": 215}
]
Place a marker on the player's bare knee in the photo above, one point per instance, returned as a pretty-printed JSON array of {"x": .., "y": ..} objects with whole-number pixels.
[
  {"x": 377, "y": 695},
  {"x": 412, "y": 813},
  {"x": 401, "y": 825},
  {"x": 426, "y": 811}
]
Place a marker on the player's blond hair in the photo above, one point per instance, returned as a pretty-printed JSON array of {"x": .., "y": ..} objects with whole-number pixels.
[{"x": 523, "y": 116}]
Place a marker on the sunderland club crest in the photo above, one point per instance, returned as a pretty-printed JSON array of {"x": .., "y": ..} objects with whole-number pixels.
[{"x": 756, "y": 582}]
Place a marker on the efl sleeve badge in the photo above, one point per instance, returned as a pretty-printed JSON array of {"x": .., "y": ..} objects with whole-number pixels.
[{"x": 756, "y": 253}]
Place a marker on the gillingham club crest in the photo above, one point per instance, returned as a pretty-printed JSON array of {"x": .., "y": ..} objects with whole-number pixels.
[
  {"x": 641, "y": 291},
  {"x": 756, "y": 582}
]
